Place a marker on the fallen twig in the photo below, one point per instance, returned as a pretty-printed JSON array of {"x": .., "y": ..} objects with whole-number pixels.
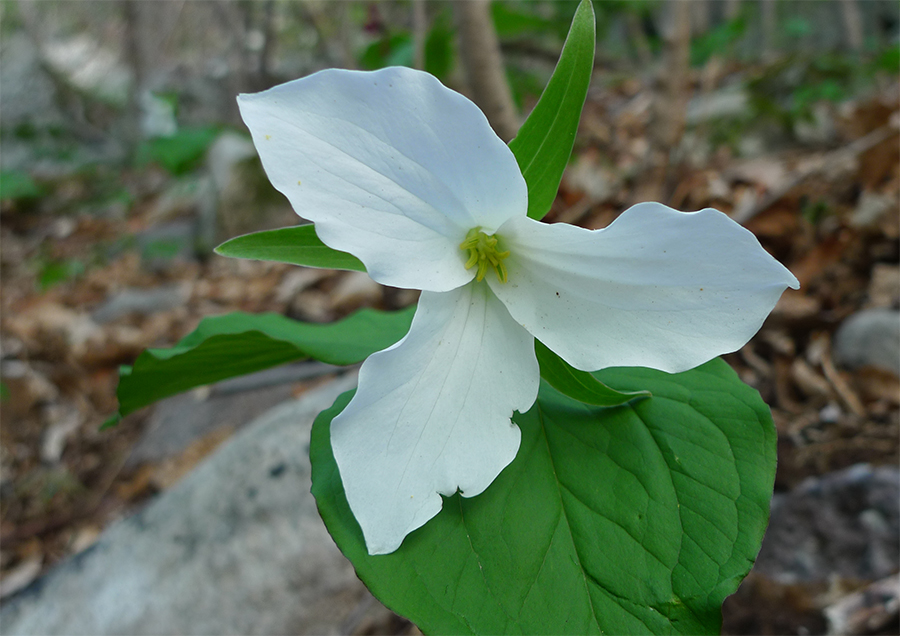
[{"x": 826, "y": 162}]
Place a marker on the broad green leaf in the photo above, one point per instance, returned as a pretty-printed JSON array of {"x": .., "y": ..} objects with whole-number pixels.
[
  {"x": 238, "y": 343},
  {"x": 298, "y": 245},
  {"x": 629, "y": 520},
  {"x": 545, "y": 140},
  {"x": 579, "y": 385}
]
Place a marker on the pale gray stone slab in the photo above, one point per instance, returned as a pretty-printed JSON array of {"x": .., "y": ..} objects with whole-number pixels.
[{"x": 237, "y": 547}]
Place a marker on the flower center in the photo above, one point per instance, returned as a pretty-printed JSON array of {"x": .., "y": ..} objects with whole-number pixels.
[{"x": 484, "y": 253}]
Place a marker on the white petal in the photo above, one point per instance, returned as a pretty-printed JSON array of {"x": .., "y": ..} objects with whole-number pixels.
[
  {"x": 392, "y": 167},
  {"x": 657, "y": 288},
  {"x": 432, "y": 413}
]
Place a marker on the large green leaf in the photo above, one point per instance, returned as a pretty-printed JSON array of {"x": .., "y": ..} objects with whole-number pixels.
[
  {"x": 628, "y": 520},
  {"x": 238, "y": 343},
  {"x": 298, "y": 245},
  {"x": 579, "y": 385},
  {"x": 545, "y": 140}
]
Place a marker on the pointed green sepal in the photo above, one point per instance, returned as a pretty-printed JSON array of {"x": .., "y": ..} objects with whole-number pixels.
[
  {"x": 298, "y": 245},
  {"x": 580, "y": 385}
]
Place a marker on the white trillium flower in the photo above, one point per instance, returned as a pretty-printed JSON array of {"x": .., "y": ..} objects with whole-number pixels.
[{"x": 407, "y": 175}]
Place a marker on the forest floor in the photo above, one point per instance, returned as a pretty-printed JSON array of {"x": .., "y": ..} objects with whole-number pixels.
[{"x": 827, "y": 210}]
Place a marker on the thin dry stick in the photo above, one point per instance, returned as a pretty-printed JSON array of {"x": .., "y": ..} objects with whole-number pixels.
[
  {"x": 834, "y": 158},
  {"x": 670, "y": 102},
  {"x": 840, "y": 386},
  {"x": 132, "y": 44},
  {"x": 699, "y": 16},
  {"x": 669, "y": 114},
  {"x": 769, "y": 29},
  {"x": 853, "y": 25},
  {"x": 483, "y": 64},
  {"x": 352, "y": 623},
  {"x": 638, "y": 38},
  {"x": 419, "y": 31}
]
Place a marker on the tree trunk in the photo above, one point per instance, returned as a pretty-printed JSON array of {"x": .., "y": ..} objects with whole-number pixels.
[
  {"x": 670, "y": 103},
  {"x": 420, "y": 33},
  {"x": 769, "y": 29},
  {"x": 131, "y": 15},
  {"x": 732, "y": 9},
  {"x": 853, "y": 25},
  {"x": 483, "y": 65},
  {"x": 670, "y": 108},
  {"x": 638, "y": 38},
  {"x": 265, "y": 52},
  {"x": 699, "y": 16}
]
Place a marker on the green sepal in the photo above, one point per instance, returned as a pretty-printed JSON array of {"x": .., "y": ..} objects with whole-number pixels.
[
  {"x": 545, "y": 141},
  {"x": 580, "y": 385},
  {"x": 298, "y": 245}
]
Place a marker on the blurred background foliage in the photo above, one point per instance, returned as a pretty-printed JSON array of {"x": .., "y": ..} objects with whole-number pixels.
[
  {"x": 132, "y": 71},
  {"x": 91, "y": 87}
]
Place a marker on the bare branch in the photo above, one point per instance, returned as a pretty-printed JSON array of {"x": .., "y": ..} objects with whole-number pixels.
[{"x": 419, "y": 33}]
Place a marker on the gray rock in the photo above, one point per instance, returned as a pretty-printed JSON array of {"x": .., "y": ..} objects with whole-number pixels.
[
  {"x": 229, "y": 150},
  {"x": 89, "y": 68},
  {"x": 871, "y": 208},
  {"x": 818, "y": 130},
  {"x": 237, "y": 547},
  {"x": 186, "y": 207},
  {"x": 869, "y": 337},
  {"x": 27, "y": 94},
  {"x": 181, "y": 198},
  {"x": 275, "y": 376},
  {"x": 141, "y": 301},
  {"x": 178, "y": 421},
  {"x": 167, "y": 242},
  {"x": 246, "y": 200},
  {"x": 729, "y": 102},
  {"x": 231, "y": 161},
  {"x": 846, "y": 523},
  {"x": 30, "y": 107},
  {"x": 157, "y": 116}
]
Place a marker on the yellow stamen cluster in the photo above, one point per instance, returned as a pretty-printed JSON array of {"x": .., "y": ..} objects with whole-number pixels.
[{"x": 483, "y": 252}]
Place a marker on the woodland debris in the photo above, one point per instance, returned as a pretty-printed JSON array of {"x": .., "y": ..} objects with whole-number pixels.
[
  {"x": 20, "y": 576},
  {"x": 830, "y": 162},
  {"x": 866, "y": 611},
  {"x": 27, "y": 387},
  {"x": 142, "y": 301},
  {"x": 62, "y": 422}
]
